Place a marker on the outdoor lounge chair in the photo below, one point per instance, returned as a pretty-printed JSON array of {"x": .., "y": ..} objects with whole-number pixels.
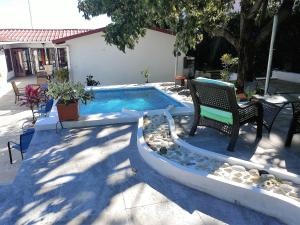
[
  {"x": 18, "y": 92},
  {"x": 216, "y": 106},
  {"x": 44, "y": 108},
  {"x": 25, "y": 140},
  {"x": 295, "y": 124}
]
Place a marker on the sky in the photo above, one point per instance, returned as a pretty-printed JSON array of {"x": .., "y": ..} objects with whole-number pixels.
[{"x": 46, "y": 14}]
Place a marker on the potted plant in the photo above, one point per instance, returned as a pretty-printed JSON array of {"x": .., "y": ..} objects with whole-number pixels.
[
  {"x": 90, "y": 81},
  {"x": 146, "y": 74},
  {"x": 229, "y": 65},
  {"x": 68, "y": 95},
  {"x": 62, "y": 75},
  {"x": 31, "y": 98}
]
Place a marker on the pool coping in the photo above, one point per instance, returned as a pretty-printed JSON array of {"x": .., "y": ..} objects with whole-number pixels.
[{"x": 126, "y": 116}]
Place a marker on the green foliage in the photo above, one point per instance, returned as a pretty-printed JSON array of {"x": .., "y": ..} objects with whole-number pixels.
[
  {"x": 90, "y": 81},
  {"x": 146, "y": 73},
  {"x": 249, "y": 93},
  {"x": 62, "y": 75},
  {"x": 190, "y": 19},
  {"x": 131, "y": 17},
  {"x": 229, "y": 63},
  {"x": 68, "y": 92}
]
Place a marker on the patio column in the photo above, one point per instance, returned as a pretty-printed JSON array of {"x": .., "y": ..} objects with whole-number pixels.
[
  {"x": 31, "y": 62},
  {"x": 56, "y": 58},
  {"x": 69, "y": 63},
  {"x": 176, "y": 65},
  {"x": 269, "y": 68}
]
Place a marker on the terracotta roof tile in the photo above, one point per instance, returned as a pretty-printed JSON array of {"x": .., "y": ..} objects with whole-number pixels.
[{"x": 37, "y": 35}]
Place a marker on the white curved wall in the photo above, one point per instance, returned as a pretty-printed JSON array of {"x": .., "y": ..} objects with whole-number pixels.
[{"x": 91, "y": 55}]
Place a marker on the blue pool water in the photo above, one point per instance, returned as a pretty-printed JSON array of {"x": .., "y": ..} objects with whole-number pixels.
[{"x": 140, "y": 99}]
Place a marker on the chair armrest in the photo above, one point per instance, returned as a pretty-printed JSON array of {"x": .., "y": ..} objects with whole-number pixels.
[
  {"x": 14, "y": 144},
  {"x": 250, "y": 111},
  {"x": 9, "y": 142},
  {"x": 250, "y": 104}
]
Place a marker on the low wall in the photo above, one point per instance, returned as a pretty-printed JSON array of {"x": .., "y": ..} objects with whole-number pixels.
[{"x": 287, "y": 76}]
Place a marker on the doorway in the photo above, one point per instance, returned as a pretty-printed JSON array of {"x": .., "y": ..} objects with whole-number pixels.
[{"x": 21, "y": 61}]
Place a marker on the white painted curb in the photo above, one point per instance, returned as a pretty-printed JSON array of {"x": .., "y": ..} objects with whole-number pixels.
[{"x": 272, "y": 204}]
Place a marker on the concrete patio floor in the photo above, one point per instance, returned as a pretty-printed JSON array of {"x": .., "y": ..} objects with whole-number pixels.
[
  {"x": 12, "y": 116},
  {"x": 269, "y": 151},
  {"x": 96, "y": 176}
]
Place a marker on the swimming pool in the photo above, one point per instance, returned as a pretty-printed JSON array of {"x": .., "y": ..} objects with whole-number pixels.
[{"x": 139, "y": 99}]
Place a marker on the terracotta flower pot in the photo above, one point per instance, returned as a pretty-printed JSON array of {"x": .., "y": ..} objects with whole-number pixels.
[{"x": 69, "y": 112}]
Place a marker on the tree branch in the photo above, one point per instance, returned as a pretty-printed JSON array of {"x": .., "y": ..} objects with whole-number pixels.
[
  {"x": 284, "y": 12},
  {"x": 227, "y": 35},
  {"x": 255, "y": 8},
  {"x": 263, "y": 13}
]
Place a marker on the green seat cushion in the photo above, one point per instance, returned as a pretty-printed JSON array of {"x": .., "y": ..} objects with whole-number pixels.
[
  {"x": 216, "y": 114},
  {"x": 212, "y": 81}
]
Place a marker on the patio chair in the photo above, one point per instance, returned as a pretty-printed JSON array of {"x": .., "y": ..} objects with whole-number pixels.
[
  {"x": 41, "y": 77},
  {"x": 18, "y": 91},
  {"x": 216, "y": 106},
  {"x": 25, "y": 139},
  {"x": 295, "y": 124},
  {"x": 44, "y": 108}
]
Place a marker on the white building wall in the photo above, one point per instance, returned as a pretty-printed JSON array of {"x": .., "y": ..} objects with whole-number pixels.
[
  {"x": 91, "y": 55},
  {"x": 4, "y": 74}
]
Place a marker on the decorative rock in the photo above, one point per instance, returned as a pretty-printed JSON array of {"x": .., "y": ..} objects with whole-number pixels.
[
  {"x": 226, "y": 165},
  {"x": 228, "y": 169},
  {"x": 237, "y": 174},
  {"x": 255, "y": 179},
  {"x": 254, "y": 172},
  {"x": 238, "y": 168},
  {"x": 246, "y": 176},
  {"x": 285, "y": 188},
  {"x": 157, "y": 135},
  {"x": 294, "y": 195},
  {"x": 236, "y": 179}
]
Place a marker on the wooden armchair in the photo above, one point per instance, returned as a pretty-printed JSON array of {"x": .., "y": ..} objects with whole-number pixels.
[
  {"x": 18, "y": 91},
  {"x": 216, "y": 106}
]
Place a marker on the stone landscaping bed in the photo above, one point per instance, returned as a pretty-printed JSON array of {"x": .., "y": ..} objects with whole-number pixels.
[{"x": 157, "y": 135}]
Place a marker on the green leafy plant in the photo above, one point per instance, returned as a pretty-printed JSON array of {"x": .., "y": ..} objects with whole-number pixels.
[
  {"x": 62, "y": 75},
  {"x": 31, "y": 98},
  {"x": 249, "y": 92},
  {"x": 229, "y": 63},
  {"x": 68, "y": 92},
  {"x": 146, "y": 73},
  {"x": 90, "y": 81}
]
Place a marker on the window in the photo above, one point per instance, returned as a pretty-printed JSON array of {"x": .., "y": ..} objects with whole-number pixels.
[
  {"x": 62, "y": 58},
  {"x": 8, "y": 60}
]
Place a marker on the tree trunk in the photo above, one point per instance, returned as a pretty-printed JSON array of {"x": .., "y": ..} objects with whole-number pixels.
[
  {"x": 246, "y": 51},
  {"x": 246, "y": 63}
]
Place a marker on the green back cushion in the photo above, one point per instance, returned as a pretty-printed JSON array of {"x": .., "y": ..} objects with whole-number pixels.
[
  {"x": 216, "y": 114},
  {"x": 213, "y": 113}
]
